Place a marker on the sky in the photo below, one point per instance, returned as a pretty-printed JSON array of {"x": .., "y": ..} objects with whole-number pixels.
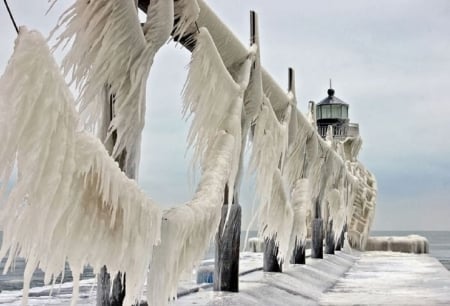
[{"x": 390, "y": 60}]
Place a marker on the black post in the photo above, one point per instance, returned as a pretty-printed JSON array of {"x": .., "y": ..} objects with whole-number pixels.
[
  {"x": 317, "y": 238},
  {"x": 226, "y": 271},
  {"x": 317, "y": 233},
  {"x": 104, "y": 279},
  {"x": 270, "y": 261},
  {"x": 330, "y": 243},
  {"x": 298, "y": 256},
  {"x": 118, "y": 292},
  {"x": 103, "y": 287},
  {"x": 340, "y": 242}
]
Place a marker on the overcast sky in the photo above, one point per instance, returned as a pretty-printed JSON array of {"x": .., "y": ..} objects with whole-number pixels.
[{"x": 390, "y": 60}]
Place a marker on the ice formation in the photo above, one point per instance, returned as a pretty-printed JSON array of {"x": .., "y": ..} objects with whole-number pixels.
[
  {"x": 302, "y": 213},
  {"x": 215, "y": 100},
  {"x": 408, "y": 244},
  {"x": 185, "y": 14},
  {"x": 307, "y": 150},
  {"x": 71, "y": 201},
  {"x": 363, "y": 206},
  {"x": 94, "y": 213},
  {"x": 188, "y": 230},
  {"x": 111, "y": 55},
  {"x": 269, "y": 147},
  {"x": 208, "y": 93}
]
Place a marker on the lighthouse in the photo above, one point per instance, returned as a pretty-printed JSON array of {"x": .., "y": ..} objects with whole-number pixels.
[{"x": 332, "y": 111}]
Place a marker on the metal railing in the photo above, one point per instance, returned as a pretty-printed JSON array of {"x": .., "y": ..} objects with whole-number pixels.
[{"x": 341, "y": 132}]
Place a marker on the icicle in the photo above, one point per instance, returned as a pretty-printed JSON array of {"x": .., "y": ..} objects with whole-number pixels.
[
  {"x": 109, "y": 48},
  {"x": 276, "y": 217},
  {"x": 253, "y": 97},
  {"x": 269, "y": 147},
  {"x": 296, "y": 158},
  {"x": 302, "y": 212},
  {"x": 188, "y": 230},
  {"x": 186, "y": 13},
  {"x": 336, "y": 211},
  {"x": 208, "y": 93},
  {"x": 216, "y": 100},
  {"x": 311, "y": 115},
  {"x": 68, "y": 189}
]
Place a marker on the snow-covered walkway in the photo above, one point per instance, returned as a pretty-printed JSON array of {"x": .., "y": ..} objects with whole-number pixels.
[
  {"x": 370, "y": 278},
  {"x": 386, "y": 278},
  {"x": 297, "y": 285}
]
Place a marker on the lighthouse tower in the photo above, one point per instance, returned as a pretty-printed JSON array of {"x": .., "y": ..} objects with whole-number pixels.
[{"x": 333, "y": 111}]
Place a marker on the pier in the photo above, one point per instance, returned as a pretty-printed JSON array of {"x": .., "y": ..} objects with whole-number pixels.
[
  {"x": 346, "y": 278},
  {"x": 80, "y": 202},
  {"x": 355, "y": 278}
]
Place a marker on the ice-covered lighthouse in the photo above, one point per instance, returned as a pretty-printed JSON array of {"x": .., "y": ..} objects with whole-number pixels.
[{"x": 333, "y": 111}]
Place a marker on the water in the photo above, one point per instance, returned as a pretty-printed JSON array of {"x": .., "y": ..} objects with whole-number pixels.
[{"x": 13, "y": 280}]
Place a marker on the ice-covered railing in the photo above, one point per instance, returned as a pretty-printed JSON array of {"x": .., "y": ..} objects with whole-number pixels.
[
  {"x": 71, "y": 202},
  {"x": 299, "y": 174},
  {"x": 329, "y": 166}
]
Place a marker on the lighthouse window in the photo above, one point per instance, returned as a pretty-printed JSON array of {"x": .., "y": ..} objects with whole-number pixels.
[
  {"x": 326, "y": 111},
  {"x": 336, "y": 111},
  {"x": 345, "y": 112}
]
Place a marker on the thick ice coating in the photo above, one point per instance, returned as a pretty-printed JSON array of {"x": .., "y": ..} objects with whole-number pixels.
[{"x": 71, "y": 201}]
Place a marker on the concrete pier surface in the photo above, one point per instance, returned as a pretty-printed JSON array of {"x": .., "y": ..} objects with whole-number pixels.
[
  {"x": 390, "y": 278},
  {"x": 297, "y": 285},
  {"x": 346, "y": 278},
  {"x": 368, "y": 278}
]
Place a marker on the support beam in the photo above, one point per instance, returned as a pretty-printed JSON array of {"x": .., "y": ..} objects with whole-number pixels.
[
  {"x": 104, "y": 279},
  {"x": 230, "y": 49},
  {"x": 340, "y": 242},
  {"x": 298, "y": 255},
  {"x": 103, "y": 287},
  {"x": 119, "y": 288},
  {"x": 226, "y": 272},
  {"x": 329, "y": 238},
  {"x": 317, "y": 238},
  {"x": 270, "y": 261}
]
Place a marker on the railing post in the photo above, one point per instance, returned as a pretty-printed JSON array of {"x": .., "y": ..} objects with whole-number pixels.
[
  {"x": 298, "y": 255},
  {"x": 340, "y": 242},
  {"x": 317, "y": 238},
  {"x": 226, "y": 270},
  {"x": 317, "y": 234},
  {"x": 104, "y": 279},
  {"x": 330, "y": 243},
  {"x": 270, "y": 261}
]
